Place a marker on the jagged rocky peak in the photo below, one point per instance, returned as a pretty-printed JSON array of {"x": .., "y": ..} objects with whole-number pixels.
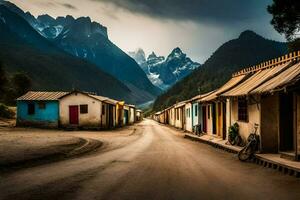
[
  {"x": 176, "y": 53},
  {"x": 151, "y": 56},
  {"x": 138, "y": 55}
]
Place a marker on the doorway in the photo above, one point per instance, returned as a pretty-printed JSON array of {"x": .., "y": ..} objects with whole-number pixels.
[
  {"x": 214, "y": 118},
  {"x": 204, "y": 117},
  {"x": 73, "y": 115},
  {"x": 286, "y": 122}
]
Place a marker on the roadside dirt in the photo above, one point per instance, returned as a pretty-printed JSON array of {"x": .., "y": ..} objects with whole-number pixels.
[{"x": 28, "y": 147}]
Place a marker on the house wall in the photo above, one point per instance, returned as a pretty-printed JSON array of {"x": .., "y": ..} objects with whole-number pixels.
[
  {"x": 178, "y": 120},
  {"x": 209, "y": 119},
  {"x": 254, "y": 117},
  {"x": 90, "y": 119},
  {"x": 228, "y": 116},
  {"x": 48, "y": 117},
  {"x": 131, "y": 115},
  {"x": 188, "y": 117},
  {"x": 172, "y": 116},
  {"x": 269, "y": 124}
]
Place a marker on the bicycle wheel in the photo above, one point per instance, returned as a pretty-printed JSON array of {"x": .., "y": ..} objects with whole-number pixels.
[{"x": 245, "y": 153}]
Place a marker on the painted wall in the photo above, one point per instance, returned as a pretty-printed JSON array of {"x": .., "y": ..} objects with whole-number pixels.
[
  {"x": 42, "y": 117},
  {"x": 209, "y": 119},
  {"x": 228, "y": 116},
  {"x": 131, "y": 115},
  {"x": 254, "y": 117},
  {"x": 90, "y": 119},
  {"x": 179, "y": 115},
  {"x": 188, "y": 117},
  {"x": 172, "y": 116},
  {"x": 269, "y": 123}
]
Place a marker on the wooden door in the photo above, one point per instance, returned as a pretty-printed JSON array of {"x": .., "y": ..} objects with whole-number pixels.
[{"x": 73, "y": 115}]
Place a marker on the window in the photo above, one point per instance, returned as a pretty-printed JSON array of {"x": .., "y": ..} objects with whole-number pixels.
[
  {"x": 196, "y": 110},
  {"x": 103, "y": 110},
  {"x": 177, "y": 112},
  {"x": 42, "y": 105},
  {"x": 83, "y": 109},
  {"x": 31, "y": 109},
  {"x": 242, "y": 109}
]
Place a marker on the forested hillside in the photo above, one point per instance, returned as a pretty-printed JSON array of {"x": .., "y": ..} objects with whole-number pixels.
[{"x": 249, "y": 49}]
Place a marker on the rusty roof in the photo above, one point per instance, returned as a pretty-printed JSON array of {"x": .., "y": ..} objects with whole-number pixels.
[
  {"x": 289, "y": 76},
  {"x": 42, "y": 96},
  {"x": 255, "y": 81}
]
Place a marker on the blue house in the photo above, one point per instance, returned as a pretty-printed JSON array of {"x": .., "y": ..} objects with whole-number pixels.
[{"x": 39, "y": 109}]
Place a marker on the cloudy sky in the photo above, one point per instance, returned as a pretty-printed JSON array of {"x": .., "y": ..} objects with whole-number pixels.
[{"x": 196, "y": 26}]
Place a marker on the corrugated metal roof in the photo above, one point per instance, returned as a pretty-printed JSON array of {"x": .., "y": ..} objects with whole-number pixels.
[
  {"x": 288, "y": 76},
  {"x": 200, "y": 96},
  {"x": 255, "y": 80},
  {"x": 227, "y": 86},
  {"x": 100, "y": 98},
  {"x": 180, "y": 104},
  {"x": 42, "y": 96}
]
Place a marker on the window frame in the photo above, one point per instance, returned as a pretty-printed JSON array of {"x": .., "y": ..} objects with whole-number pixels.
[
  {"x": 243, "y": 109},
  {"x": 84, "y": 109}
]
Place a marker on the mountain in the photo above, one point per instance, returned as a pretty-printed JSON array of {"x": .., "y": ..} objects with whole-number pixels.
[
  {"x": 247, "y": 50},
  {"x": 50, "y": 68},
  {"x": 165, "y": 72},
  {"x": 89, "y": 41}
]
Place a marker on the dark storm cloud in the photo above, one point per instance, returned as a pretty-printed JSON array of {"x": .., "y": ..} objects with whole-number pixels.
[
  {"x": 219, "y": 11},
  {"x": 69, "y": 6}
]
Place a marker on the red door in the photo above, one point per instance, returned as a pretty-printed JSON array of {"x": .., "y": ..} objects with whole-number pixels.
[{"x": 73, "y": 115}]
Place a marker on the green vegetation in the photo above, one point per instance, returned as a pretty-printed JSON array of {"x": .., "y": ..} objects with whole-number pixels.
[
  {"x": 13, "y": 86},
  {"x": 233, "y": 131},
  {"x": 286, "y": 20},
  {"x": 249, "y": 49}
]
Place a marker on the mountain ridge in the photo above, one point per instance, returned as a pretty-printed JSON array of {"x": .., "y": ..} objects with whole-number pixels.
[
  {"x": 246, "y": 50},
  {"x": 165, "y": 72},
  {"x": 27, "y": 53},
  {"x": 89, "y": 40}
]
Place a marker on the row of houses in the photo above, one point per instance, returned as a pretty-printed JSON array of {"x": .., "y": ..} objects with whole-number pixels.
[
  {"x": 267, "y": 94},
  {"x": 74, "y": 109}
]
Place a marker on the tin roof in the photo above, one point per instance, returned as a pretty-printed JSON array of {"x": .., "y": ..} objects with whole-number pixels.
[
  {"x": 42, "y": 96},
  {"x": 255, "y": 81},
  {"x": 227, "y": 86},
  {"x": 100, "y": 98},
  {"x": 289, "y": 76},
  {"x": 180, "y": 104}
]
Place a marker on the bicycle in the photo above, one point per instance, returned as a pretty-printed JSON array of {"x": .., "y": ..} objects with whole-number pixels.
[{"x": 253, "y": 141}]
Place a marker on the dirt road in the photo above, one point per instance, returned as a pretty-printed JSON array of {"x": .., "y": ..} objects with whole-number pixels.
[{"x": 156, "y": 163}]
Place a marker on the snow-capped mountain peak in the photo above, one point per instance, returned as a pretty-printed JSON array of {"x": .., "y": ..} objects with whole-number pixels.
[{"x": 164, "y": 72}]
